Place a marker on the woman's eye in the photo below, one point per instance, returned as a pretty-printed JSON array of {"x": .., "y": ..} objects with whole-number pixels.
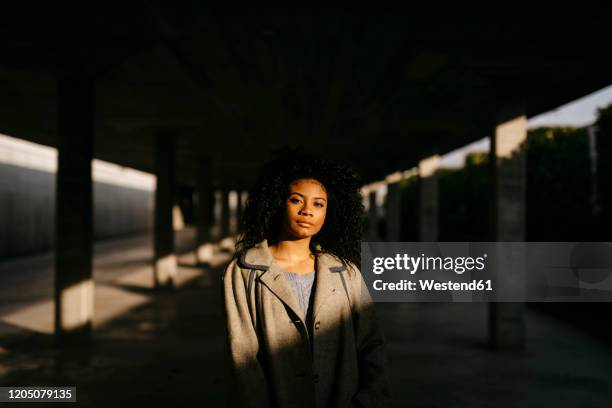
[
  {"x": 294, "y": 200},
  {"x": 319, "y": 205}
]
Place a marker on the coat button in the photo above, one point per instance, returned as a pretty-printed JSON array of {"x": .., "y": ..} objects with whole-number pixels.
[
  {"x": 316, "y": 378},
  {"x": 317, "y": 324}
]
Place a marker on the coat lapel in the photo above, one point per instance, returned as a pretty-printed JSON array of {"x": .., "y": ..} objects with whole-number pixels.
[
  {"x": 328, "y": 284},
  {"x": 260, "y": 257},
  {"x": 274, "y": 279}
]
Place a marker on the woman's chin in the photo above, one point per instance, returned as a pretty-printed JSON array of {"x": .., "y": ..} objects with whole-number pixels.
[{"x": 301, "y": 234}]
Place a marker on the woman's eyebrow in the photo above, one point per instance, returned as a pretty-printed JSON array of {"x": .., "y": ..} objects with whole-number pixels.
[{"x": 302, "y": 195}]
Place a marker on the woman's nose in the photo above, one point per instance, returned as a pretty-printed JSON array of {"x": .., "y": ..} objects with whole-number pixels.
[{"x": 306, "y": 211}]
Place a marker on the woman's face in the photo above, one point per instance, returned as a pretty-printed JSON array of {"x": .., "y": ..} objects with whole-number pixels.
[{"x": 306, "y": 207}]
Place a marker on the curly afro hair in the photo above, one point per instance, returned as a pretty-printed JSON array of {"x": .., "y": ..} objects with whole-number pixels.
[{"x": 342, "y": 230}]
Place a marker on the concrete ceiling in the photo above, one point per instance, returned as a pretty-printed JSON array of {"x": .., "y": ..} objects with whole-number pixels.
[{"x": 376, "y": 88}]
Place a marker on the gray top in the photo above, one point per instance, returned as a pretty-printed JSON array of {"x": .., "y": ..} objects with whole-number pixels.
[{"x": 302, "y": 286}]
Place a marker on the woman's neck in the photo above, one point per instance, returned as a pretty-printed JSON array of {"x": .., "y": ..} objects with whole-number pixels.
[{"x": 291, "y": 250}]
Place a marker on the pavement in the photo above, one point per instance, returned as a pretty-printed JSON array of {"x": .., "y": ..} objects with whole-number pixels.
[{"x": 165, "y": 348}]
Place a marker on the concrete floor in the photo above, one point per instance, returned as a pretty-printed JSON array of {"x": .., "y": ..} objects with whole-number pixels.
[{"x": 162, "y": 349}]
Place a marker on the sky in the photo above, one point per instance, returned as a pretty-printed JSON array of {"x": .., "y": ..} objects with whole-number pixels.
[{"x": 581, "y": 112}]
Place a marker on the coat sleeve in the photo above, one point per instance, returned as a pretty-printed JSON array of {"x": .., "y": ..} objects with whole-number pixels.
[
  {"x": 245, "y": 378},
  {"x": 374, "y": 387}
]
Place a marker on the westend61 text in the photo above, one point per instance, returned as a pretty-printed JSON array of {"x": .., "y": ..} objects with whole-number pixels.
[{"x": 430, "y": 284}]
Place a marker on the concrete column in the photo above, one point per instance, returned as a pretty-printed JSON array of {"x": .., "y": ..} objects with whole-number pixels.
[
  {"x": 204, "y": 249},
  {"x": 393, "y": 211},
  {"x": 372, "y": 218},
  {"x": 508, "y": 165},
  {"x": 428, "y": 198},
  {"x": 593, "y": 149},
  {"x": 604, "y": 174},
  {"x": 232, "y": 197},
  {"x": 225, "y": 213},
  {"x": 165, "y": 262},
  {"x": 244, "y": 196},
  {"x": 239, "y": 209},
  {"x": 74, "y": 285}
]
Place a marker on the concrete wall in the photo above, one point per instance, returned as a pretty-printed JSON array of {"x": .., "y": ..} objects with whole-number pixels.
[
  {"x": 121, "y": 210},
  {"x": 123, "y": 199},
  {"x": 26, "y": 210}
]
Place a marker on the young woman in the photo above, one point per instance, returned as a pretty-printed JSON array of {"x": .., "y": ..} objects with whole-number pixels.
[{"x": 301, "y": 329}]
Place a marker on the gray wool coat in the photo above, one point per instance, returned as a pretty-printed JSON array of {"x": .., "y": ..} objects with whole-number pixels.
[{"x": 268, "y": 358}]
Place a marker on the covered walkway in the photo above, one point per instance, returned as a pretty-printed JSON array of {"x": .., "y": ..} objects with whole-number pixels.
[{"x": 200, "y": 97}]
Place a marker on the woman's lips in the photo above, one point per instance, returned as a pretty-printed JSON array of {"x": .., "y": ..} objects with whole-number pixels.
[{"x": 304, "y": 224}]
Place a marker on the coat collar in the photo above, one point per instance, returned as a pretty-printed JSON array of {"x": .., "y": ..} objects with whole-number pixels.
[{"x": 327, "y": 282}]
